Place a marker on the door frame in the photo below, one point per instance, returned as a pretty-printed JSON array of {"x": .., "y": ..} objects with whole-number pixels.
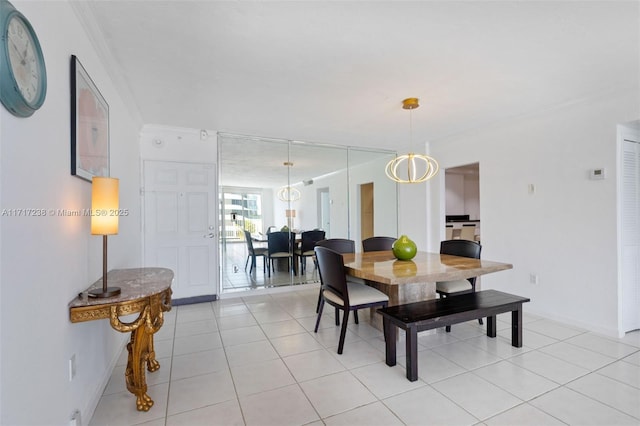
[
  {"x": 320, "y": 197},
  {"x": 625, "y": 132},
  {"x": 216, "y": 225}
]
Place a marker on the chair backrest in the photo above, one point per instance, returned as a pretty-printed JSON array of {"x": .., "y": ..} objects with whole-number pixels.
[
  {"x": 247, "y": 236},
  {"x": 449, "y": 229},
  {"x": 378, "y": 243},
  {"x": 468, "y": 232},
  {"x": 279, "y": 242},
  {"x": 463, "y": 248},
  {"x": 332, "y": 275},
  {"x": 310, "y": 238},
  {"x": 340, "y": 245}
]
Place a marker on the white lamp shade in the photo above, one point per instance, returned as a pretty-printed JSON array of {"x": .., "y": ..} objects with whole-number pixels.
[{"x": 104, "y": 206}]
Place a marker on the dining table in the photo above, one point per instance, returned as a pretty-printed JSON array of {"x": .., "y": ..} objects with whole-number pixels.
[{"x": 406, "y": 281}]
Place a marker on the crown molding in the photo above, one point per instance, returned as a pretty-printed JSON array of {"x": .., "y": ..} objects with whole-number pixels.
[{"x": 87, "y": 19}]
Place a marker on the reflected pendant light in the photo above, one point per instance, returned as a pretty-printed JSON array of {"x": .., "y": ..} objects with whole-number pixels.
[
  {"x": 288, "y": 194},
  {"x": 411, "y": 168}
]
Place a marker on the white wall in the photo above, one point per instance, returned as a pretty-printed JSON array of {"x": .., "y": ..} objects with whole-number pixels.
[
  {"x": 566, "y": 231},
  {"x": 472, "y": 197},
  {"x": 385, "y": 199},
  {"x": 46, "y": 261},
  {"x": 454, "y": 187},
  {"x": 345, "y": 207},
  {"x": 338, "y": 194}
]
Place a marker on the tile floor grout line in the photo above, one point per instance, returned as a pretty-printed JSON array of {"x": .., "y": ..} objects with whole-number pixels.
[
  {"x": 173, "y": 348},
  {"x": 233, "y": 380}
]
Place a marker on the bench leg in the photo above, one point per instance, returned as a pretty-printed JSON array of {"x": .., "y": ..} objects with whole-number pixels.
[
  {"x": 491, "y": 326},
  {"x": 412, "y": 354},
  {"x": 390, "y": 333},
  {"x": 516, "y": 327}
]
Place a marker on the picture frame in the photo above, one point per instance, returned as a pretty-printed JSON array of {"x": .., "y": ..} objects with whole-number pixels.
[{"x": 89, "y": 126}]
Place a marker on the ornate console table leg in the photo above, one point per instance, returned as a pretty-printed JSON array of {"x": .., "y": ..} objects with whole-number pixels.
[
  {"x": 159, "y": 304},
  {"x": 152, "y": 363},
  {"x": 146, "y": 291},
  {"x": 138, "y": 349}
]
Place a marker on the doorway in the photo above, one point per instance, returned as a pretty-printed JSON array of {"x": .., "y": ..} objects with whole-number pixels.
[
  {"x": 324, "y": 211},
  {"x": 366, "y": 210},
  {"x": 629, "y": 229},
  {"x": 180, "y": 224},
  {"x": 462, "y": 201}
]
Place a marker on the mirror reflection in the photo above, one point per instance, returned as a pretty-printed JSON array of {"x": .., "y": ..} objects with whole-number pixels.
[{"x": 278, "y": 197}]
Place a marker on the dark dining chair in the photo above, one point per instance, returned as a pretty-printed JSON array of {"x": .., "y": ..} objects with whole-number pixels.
[
  {"x": 378, "y": 243},
  {"x": 308, "y": 240},
  {"x": 340, "y": 245},
  {"x": 463, "y": 248},
  {"x": 254, "y": 252},
  {"x": 280, "y": 246},
  {"x": 343, "y": 295}
]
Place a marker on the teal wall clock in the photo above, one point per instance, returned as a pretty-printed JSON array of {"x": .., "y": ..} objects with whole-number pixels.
[{"x": 23, "y": 79}]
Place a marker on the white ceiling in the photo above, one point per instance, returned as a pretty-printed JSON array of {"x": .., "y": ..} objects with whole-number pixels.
[
  {"x": 258, "y": 163},
  {"x": 337, "y": 71}
]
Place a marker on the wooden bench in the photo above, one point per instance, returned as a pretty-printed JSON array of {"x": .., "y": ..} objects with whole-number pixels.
[{"x": 436, "y": 313}]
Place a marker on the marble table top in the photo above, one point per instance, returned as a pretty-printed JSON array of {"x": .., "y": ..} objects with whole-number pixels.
[
  {"x": 135, "y": 283},
  {"x": 383, "y": 267}
]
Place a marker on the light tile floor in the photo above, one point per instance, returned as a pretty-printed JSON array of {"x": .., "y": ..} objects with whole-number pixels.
[
  {"x": 236, "y": 278},
  {"x": 256, "y": 361}
]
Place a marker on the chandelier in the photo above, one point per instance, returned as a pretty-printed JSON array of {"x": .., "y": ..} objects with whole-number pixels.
[
  {"x": 288, "y": 194},
  {"x": 411, "y": 167}
]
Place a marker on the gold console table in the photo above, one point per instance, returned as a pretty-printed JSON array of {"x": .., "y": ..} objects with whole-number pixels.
[{"x": 146, "y": 291}]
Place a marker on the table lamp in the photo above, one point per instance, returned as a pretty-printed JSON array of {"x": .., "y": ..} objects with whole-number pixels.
[{"x": 104, "y": 221}]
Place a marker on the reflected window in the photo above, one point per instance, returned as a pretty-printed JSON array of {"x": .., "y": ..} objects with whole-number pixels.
[{"x": 240, "y": 211}]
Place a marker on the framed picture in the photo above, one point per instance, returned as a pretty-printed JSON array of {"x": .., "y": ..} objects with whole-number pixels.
[{"x": 89, "y": 126}]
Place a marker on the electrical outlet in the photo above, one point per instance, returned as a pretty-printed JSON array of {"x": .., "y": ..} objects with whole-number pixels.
[
  {"x": 72, "y": 367},
  {"x": 533, "y": 279}
]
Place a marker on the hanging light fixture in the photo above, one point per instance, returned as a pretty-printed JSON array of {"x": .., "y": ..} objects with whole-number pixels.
[
  {"x": 411, "y": 168},
  {"x": 288, "y": 194}
]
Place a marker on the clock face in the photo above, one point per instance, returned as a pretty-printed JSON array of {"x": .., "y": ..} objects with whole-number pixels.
[{"x": 23, "y": 60}]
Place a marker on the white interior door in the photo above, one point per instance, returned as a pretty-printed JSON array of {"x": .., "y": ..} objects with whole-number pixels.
[
  {"x": 630, "y": 244},
  {"x": 179, "y": 224}
]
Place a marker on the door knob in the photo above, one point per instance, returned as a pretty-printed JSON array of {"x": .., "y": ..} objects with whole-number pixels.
[{"x": 209, "y": 235}]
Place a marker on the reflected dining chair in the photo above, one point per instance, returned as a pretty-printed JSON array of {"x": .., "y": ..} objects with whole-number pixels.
[
  {"x": 308, "y": 240},
  {"x": 343, "y": 295},
  {"x": 463, "y": 248},
  {"x": 254, "y": 252},
  {"x": 378, "y": 243},
  {"x": 279, "y": 246}
]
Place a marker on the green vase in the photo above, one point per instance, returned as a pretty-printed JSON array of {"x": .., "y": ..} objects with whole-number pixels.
[{"x": 404, "y": 248}]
